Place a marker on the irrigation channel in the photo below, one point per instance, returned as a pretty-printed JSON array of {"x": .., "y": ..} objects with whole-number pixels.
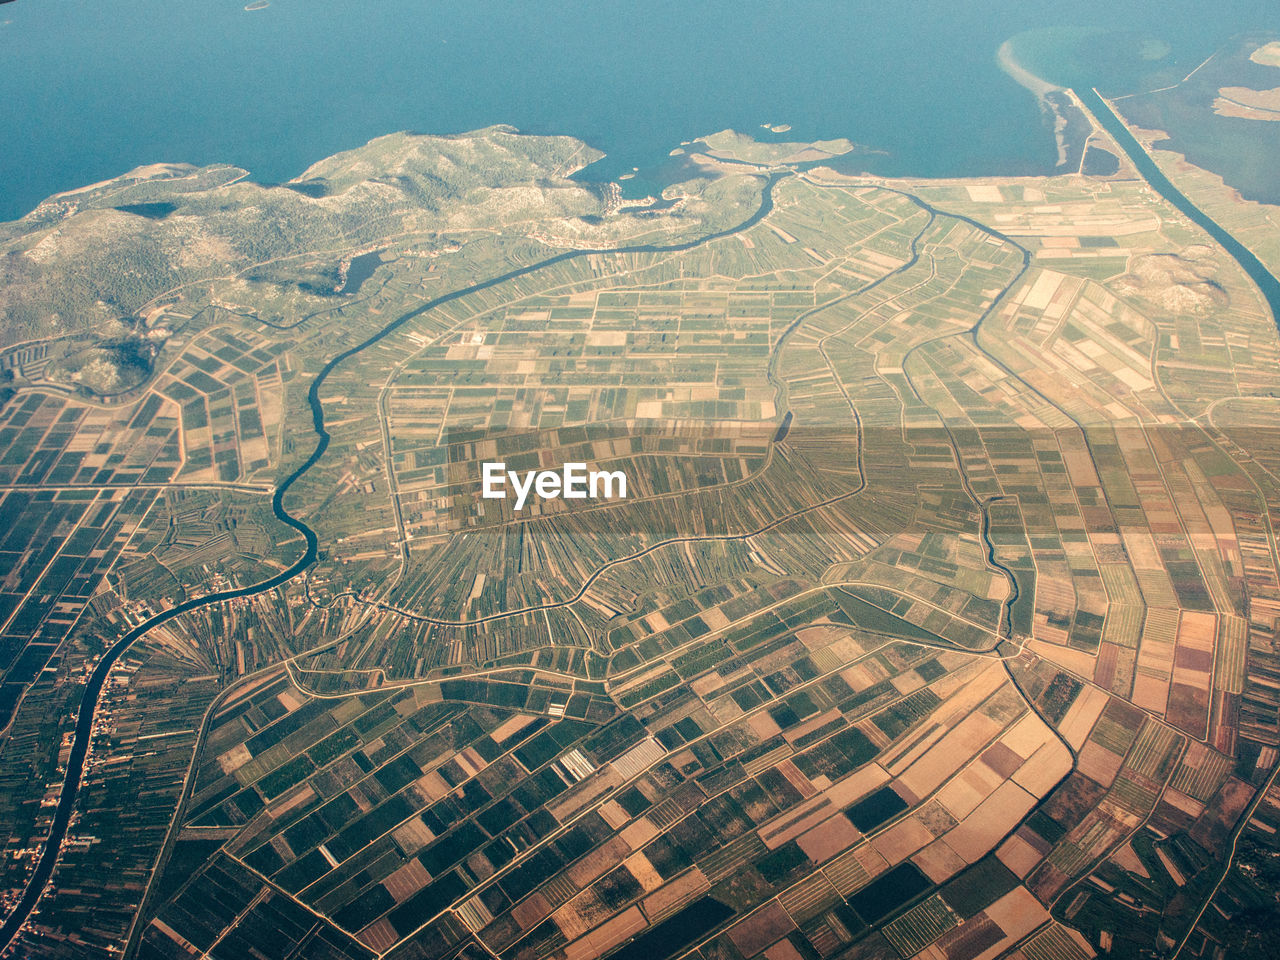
[
  {"x": 1265, "y": 280},
  {"x": 93, "y": 689}
]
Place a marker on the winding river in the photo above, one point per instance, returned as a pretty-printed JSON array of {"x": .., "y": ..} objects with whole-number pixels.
[
  {"x": 93, "y": 689},
  {"x": 1265, "y": 280}
]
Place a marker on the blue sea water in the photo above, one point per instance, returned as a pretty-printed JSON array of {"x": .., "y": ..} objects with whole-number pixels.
[{"x": 92, "y": 89}]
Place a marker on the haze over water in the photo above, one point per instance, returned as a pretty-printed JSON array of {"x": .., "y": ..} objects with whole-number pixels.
[{"x": 93, "y": 90}]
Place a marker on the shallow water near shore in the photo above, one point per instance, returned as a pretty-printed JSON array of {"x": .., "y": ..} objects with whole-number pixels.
[{"x": 94, "y": 90}]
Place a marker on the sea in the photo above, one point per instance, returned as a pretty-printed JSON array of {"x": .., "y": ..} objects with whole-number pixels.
[{"x": 92, "y": 89}]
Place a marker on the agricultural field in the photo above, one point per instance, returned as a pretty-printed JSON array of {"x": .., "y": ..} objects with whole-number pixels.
[{"x": 938, "y": 620}]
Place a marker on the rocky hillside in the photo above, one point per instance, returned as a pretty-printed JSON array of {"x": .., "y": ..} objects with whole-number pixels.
[{"x": 83, "y": 260}]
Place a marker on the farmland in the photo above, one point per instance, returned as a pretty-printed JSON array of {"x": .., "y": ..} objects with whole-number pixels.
[{"x": 938, "y": 620}]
